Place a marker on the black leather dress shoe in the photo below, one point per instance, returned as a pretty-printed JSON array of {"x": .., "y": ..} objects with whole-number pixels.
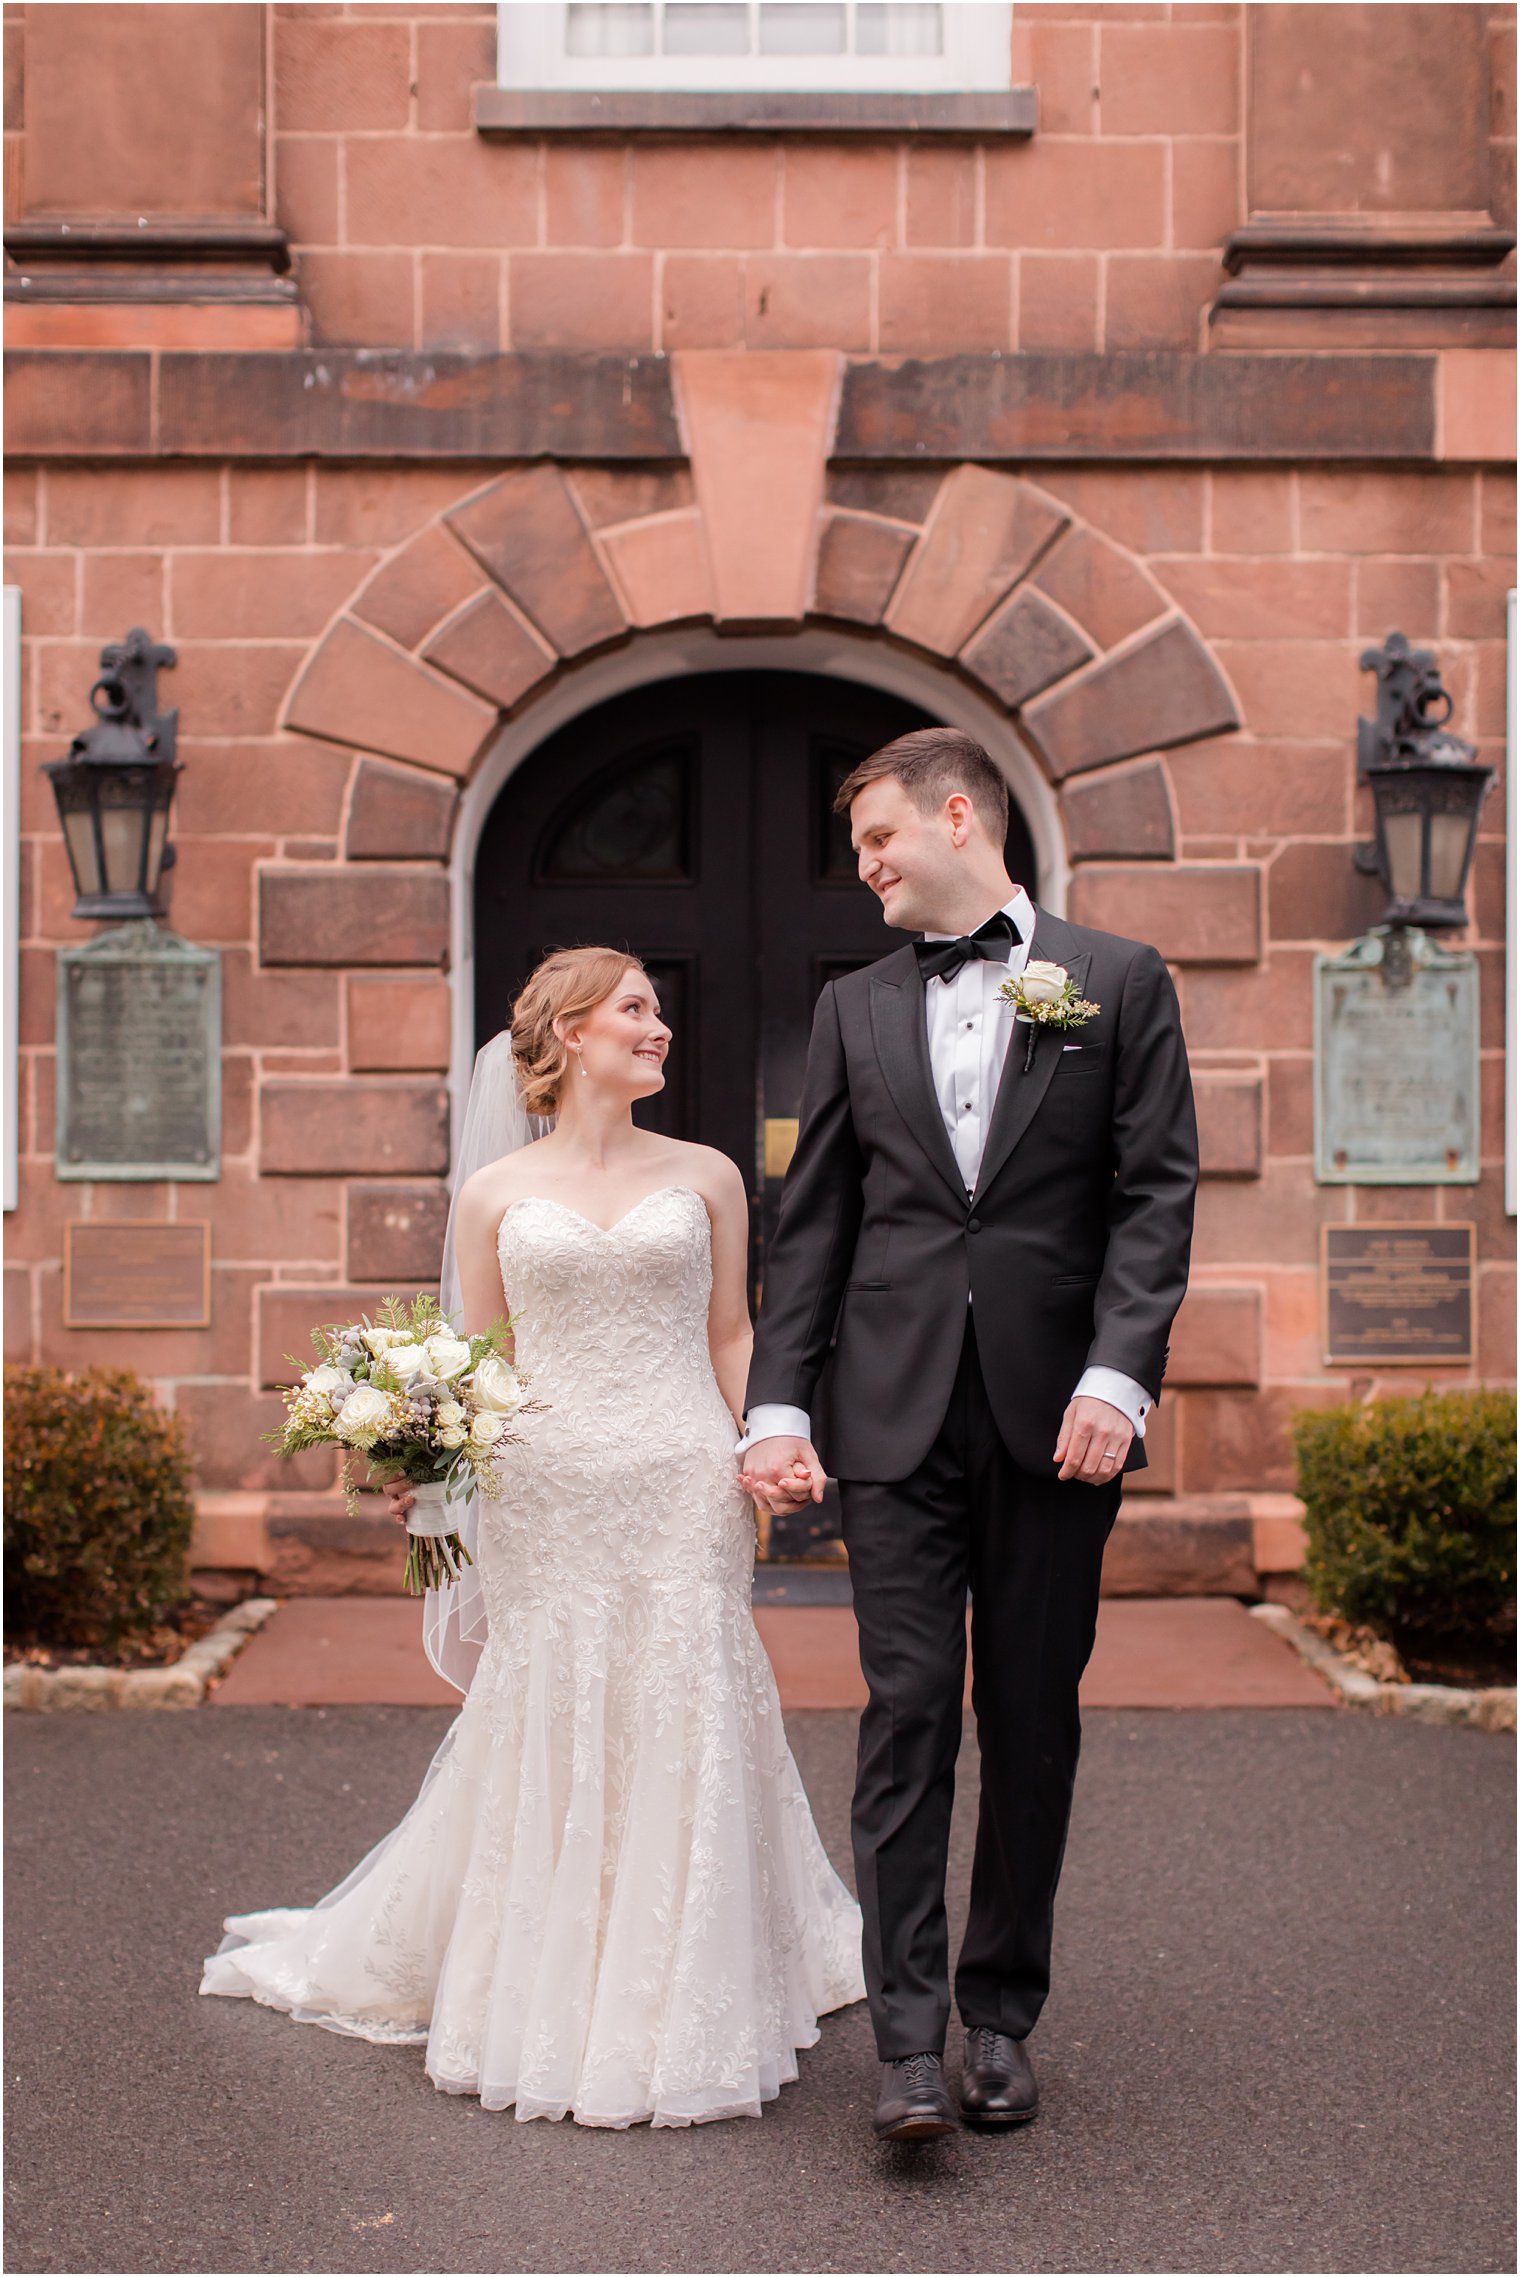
[
  {"x": 999, "y": 2088},
  {"x": 915, "y": 2101}
]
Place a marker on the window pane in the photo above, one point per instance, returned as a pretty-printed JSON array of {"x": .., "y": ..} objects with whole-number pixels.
[
  {"x": 706, "y": 27},
  {"x": 631, "y": 825},
  {"x": 801, "y": 27},
  {"x": 615, "y": 30},
  {"x": 898, "y": 27}
]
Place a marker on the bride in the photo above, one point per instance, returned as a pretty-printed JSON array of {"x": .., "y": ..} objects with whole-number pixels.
[{"x": 609, "y": 1899}]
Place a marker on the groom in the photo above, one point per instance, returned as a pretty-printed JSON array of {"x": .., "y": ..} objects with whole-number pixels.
[{"x": 989, "y": 1217}]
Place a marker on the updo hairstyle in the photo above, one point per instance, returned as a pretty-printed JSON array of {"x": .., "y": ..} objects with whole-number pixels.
[{"x": 567, "y": 985}]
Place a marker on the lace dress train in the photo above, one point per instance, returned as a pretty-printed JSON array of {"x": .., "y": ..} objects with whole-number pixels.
[{"x": 609, "y": 1899}]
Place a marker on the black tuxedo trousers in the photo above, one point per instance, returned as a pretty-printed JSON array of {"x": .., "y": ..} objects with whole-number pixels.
[{"x": 1030, "y": 1550}]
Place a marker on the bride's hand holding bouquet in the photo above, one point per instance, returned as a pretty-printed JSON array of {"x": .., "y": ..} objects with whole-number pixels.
[{"x": 430, "y": 1411}]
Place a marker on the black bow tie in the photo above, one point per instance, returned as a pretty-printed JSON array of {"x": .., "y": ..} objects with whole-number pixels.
[{"x": 945, "y": 958}]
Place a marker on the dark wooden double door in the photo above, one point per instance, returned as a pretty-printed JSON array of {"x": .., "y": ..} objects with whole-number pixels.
[{"x": 692, "y": 823}]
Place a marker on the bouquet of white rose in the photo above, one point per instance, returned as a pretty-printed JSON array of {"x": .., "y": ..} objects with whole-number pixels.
[{"x": 421, "y": 1404}]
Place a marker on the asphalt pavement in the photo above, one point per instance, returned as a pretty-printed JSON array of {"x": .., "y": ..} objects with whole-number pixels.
[{"x": 1281, "y": 2037}]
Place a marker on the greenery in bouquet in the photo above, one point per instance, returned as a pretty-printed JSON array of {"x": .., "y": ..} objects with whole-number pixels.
[{"x": 419, "y": 1402}]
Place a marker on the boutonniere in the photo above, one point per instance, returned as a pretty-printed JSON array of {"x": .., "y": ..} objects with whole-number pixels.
[{"x": 1045, "y": 996}]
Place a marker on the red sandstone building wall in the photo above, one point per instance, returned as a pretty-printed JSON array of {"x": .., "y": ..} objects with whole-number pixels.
[{"x": 353, "y": 621}]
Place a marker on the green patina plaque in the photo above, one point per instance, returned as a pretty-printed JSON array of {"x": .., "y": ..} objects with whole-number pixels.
[
  {"x": 139, "y": 1057},
  {"x": 1396, "y": 1064}
]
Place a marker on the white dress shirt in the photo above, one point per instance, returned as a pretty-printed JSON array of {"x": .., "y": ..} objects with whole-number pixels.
[{"x": 970, "y": 1026}]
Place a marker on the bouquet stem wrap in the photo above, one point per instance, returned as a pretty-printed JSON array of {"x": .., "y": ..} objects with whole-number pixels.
[{"x": 434, "y": 1549}]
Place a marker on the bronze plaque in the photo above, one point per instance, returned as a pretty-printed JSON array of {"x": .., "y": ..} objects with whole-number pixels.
[
  {"x": 1396, "y": 1065},
  {"x": 1398, "y": 1295},
  {"x": 136, "y": 1273},
  {"x": 139, "y": 1057}
]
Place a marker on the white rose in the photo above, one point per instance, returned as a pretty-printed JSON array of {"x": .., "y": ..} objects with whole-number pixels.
[
  {"x": 452, "y": 1435},
  {"x": 486, "y": 1429},
  {"x": 362, "y": 1413},
  {"x": 449, "y": 1415},
  {"x": 406, "y": 1361},
  {"x": 495, "y": 1386},
  {"x": 335, "y": 1383},
  {"x": 447, "y": 1357},
  {"x": 1043, "y": 982},
  {"x": 379, "y": 1340}
]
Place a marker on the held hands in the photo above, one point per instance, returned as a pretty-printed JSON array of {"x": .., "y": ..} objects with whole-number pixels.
[
  {"x": 781, "y": 1474},
  {"x": 1095, "y": 1438},
  {"x": 398, "y": 1499}
]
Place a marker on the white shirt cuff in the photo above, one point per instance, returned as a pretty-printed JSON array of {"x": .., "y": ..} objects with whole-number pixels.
[
  {"x": 775, "y": 1423},
  {"x": 1133, "y": 1402}
]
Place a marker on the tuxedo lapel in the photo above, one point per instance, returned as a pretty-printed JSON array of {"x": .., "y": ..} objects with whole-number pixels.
[
  {"x": 901, "y": 1037},
  {"x": 1019, "y": 1094}
]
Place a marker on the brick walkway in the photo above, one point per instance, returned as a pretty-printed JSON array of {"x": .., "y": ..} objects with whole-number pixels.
[{"x": 1165, "y": 1652}]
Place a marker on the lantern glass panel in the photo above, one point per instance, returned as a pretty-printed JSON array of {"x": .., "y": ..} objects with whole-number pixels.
[
  {"x": 79, "y": 838},
  {"x": 1448, "y": 854},
  {"x": 1402, "y": 835},
  {"x": 121, "y": 839},
  {"x": 158, "y": 831}
]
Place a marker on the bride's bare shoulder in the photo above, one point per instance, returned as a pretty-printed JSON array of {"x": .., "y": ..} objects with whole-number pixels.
[
  {"x": 496, "y": 1184},
  {"x": 711, "y": 1173}
]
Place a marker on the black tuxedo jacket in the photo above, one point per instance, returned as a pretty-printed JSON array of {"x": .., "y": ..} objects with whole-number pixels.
[{"x": 1073, "y": 1249}]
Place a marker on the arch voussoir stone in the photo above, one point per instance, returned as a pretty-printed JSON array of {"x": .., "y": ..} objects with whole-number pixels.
[
  {"x": 423, "y": 582},
  {"x": 526, "y": 534},
  {"x": 492, "y": 649},
  {"x": 1025, "y": 647},
  {"x": 1163, "y": 689},
  {"x": 1120, "y": 814},
  {"x": 984, "y": 533},
  {"x": 360, "y": 690}
]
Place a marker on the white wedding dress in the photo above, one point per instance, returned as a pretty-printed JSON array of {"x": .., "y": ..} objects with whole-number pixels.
[{"x": 609, "y": 1899}]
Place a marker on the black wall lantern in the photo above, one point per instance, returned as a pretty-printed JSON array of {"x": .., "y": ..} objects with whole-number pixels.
[
  {"x": 1427, "y": 790},
  {"x": 115, "y": 788}
]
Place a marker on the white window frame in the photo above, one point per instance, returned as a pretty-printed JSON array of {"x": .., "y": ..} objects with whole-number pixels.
[{"x": 977, "y": 58}]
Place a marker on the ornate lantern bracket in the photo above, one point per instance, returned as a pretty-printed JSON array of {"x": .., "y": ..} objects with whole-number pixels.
[{"x": 1427, "y": 789}]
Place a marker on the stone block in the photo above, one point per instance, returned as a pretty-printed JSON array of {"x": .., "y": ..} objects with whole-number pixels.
[
  {"x": 1229, "y": 1123},
  {"x": 337, "y": 916},
  {"x": 418, "y": 587},
  {"x": 859, "y": 562},
  {"x": 681, "y": 198},
  {"x": 1059, "y": 301},
  {"x": 397, "y": 814},
  {"x": 395, "y": 1233},
  {"x": 807, "y": 300},
  {"x": 1024, "y": 648},
  {"x": 585, "y": 190},
  {"x": 1173, "y": 79},
  {"x": 462, "y": 302},
  {"x": 930, "y": 301},
  {"x": 359, "y": 690},
  {"x": 940, "y": 207},
  {"x": 319, "y": 1551},
  {"x": 1475, "y": 403},
  {"x": 87, "y": 1689},
  {"x": 376, "y": 1129},
  {"x": 492, "y": 650},
  {"x": 225, "y": 1423},
  {"x": 1165, "y": 689},
  {"x": 453, "y": 191},
  {"x": 1233, "y": 599},
  {"x": 1195, "y": 914},
  {"x": 1397, "y": 594},
  {"x": 1316, "y": 893},
  {"x": 758, "y": 424},
  {"x": 1379, "y": 509},
  {"x": 162, "y": 1688},
  {"x": 1100, "y": 586},
  {"x": 701, "y": 301},
  {"x": 1061, "y": 194},
  {"x": 834, "y": 194},
  {"x": 248, "y": 595},
  {"x": 357, "y": 299},
  {"x": 986, "y": 531},
  {"x": 1216, "y": 1340},
  {"x": 1173, "y": 1547},
  {"x": 524, "y": 530},
  {"x": 306, "y": 174},
  {"x": 661, "y": 569},
  {"x": 610, "y": 495},
  {"x": 581, "y": 300},
  {"x": 398, "y": 1023},
  {"x": 331, "y": 75},
  {"x": 1120, "y": 814},
  {"x": 1156, "y": 301},
  {"x": 896, "y": 493}
]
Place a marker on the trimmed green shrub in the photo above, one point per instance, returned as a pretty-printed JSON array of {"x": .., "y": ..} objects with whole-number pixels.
[
  {"x": 98, "y": 1508},
  {"x": 1410, "y": 1514}
]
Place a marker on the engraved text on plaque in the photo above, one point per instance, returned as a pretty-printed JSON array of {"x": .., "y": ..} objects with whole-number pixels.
[
  {"x": 139, "y": 1057},
  {"x": 1396, "y": 1065},
  {"x": 1398, "y": 1295}
]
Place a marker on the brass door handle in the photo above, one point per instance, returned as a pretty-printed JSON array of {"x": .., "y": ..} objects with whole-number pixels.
[{"x": 780, "y": 1143}]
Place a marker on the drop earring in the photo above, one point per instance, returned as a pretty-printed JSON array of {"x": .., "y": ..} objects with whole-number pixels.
[{"x": 580, "y": 1063}]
